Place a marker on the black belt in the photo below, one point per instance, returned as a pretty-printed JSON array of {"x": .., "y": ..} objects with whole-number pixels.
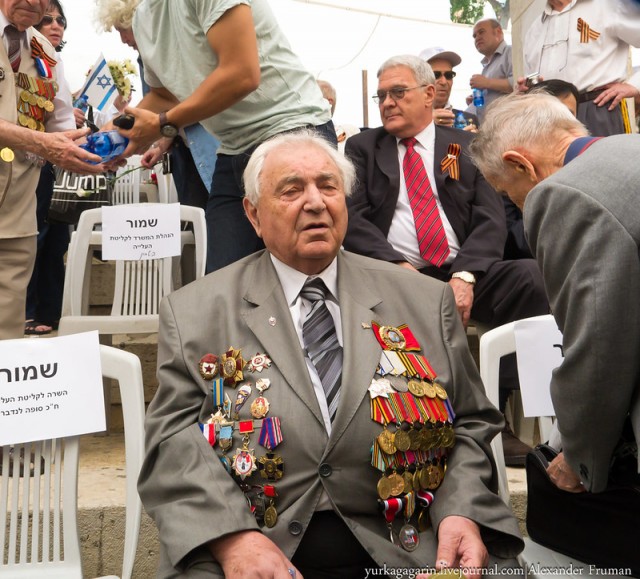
[{"x": 589, "y": 95}]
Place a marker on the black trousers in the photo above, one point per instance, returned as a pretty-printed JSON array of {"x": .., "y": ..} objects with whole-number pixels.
[{"x": 329, "y": 550}]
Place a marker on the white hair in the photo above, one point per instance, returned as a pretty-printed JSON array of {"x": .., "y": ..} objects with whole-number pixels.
[
  {"x": 517, "y": 122},
  {"x": 420, "y": 68},
  {"x": 296, "y": 139}
]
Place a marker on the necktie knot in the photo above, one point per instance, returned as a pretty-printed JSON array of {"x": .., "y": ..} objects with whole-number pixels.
[
  {"x": 12, "y": 32},
  {"x": 314, "y": 290},
  {"x": 409, "y": 142}
]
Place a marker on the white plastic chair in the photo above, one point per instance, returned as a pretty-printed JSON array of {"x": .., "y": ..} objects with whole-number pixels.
[
  {"x": 127, "y": 187},
  {"x": 139, "y": 285},
  {"x": 38, "y": 513},
  {"x": 493, "y": 345},
  {"x": 167, "y": 192}
]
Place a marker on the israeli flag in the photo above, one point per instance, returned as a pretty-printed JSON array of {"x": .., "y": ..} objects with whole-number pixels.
[{"x": 99, "y": 88}]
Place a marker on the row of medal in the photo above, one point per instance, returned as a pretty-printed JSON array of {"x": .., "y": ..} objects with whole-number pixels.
[
  {"x": 417, "y": 419},
  {"x": 35, "y": 98},
  {"x": 228, "y": 370}
]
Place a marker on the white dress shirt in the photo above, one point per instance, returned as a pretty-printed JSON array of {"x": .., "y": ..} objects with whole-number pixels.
[
  {"x": 402, "y": 233},
  {"x": 552, "y": 44}
]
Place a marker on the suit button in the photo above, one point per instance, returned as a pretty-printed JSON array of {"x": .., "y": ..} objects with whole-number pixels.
[
  {"x": 295, "y": 527},
  {"x": 325, "y": 470}
]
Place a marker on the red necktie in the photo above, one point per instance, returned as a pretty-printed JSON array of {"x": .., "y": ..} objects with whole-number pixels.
[
  {"x": 432, "y": 239},
  {"x": 13, "y": 36}
]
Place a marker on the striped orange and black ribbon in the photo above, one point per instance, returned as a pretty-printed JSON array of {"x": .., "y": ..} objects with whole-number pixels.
[
  {"x": 586, "y": 33},
  {"x": 37, "y": 51},
  {"x": 450, "y": 162}
]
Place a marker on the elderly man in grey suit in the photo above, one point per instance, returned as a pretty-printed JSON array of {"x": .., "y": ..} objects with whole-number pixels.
[
  {"x": 578, "y": 195},
  {"x": 294, "y": 363}
]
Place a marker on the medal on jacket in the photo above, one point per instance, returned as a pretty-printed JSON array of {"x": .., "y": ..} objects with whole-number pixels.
[
  {"x": 231, "y": 367},
  {"x": 241, "y": 397},
  {"x": 408, "y": 535},
  {"x": 425, "y": 498},
  {"x": 390, "y": 509},
  {"x": 243, "y": 462},
  {"x": 260, "y": 406},
  {"x": 208, "y": 366},
  {"x": 270, "y": 513},
  {"x": 271, "y": 466},
  {"x": 450, "y": 163},
  {"x": 258, "y": 363}
]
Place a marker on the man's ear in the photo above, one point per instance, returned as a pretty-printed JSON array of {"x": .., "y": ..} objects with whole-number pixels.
[
  {"x": 252, "y": 214},
  {"x": 520, "y": 164}
]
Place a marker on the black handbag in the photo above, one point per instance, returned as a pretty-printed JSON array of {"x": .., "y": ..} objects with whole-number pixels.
[
  {"x": 600, "y": 529},
  {"x": 74, "y": 193}
]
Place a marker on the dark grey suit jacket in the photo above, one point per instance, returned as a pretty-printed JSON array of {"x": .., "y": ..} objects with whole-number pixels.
[
  {"x": 472, "y": 206},
  {"x": 583, "y": 227},
  {"x": 194, "y": 500}
]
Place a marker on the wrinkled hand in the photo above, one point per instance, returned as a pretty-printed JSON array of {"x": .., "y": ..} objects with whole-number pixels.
[
  {"x": 250, "y": 553},
  {"x": 443, "y": 117},
  {"x": 62, "y": 150},
  {"x": 154, "y": 153},
  {"x": 478, "y": 81},
  {"x": 460, "y": 546},
  {"x": 615, "y": 92},
  {"x": 463, "y": 293},
  {"x": 563, "y": 476}
]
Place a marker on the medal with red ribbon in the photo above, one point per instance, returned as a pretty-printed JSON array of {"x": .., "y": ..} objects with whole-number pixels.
[{"x": 395, "y": 338}]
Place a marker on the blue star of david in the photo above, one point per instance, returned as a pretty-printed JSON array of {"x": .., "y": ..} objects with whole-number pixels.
[{"x": 104, "y": 81}]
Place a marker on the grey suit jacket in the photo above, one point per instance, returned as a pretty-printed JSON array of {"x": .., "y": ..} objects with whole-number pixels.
[
  {"x": 583, "y": 226},
  {"x": 194, "y": 500}
]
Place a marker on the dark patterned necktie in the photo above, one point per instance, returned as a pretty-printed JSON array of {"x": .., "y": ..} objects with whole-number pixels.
[
  {"x": 12, "y": 34},
  {"x": 432, "y": 239},
  {"x": 321, "y": 342}
]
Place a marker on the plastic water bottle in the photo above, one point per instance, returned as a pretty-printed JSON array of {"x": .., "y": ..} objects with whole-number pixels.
[
  {"x": 106, "y": 144},
  {"x": 82, "y": 103},
  {"x": 478, "y": 97},
  {"x": 460, "y": 121}
]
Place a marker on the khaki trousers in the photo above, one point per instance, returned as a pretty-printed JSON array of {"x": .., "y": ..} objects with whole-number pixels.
[{"x": 17, "y": 256}]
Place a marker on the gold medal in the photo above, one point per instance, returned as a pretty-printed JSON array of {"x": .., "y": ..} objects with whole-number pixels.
[
  {"x": 434, "y": 477},
  {"x": 40, "y": 100},
  {"x": 271, "y": 466},
  {"x": 7, "y": 155},
  {"x": 49, "y": 106},
  {"x": 416, "y": 388},
  {"x": 408, "y": 481},
  {"x": 384, "y": 488},
  {"x": 402, "y": 440},
  {"x": 392, "y": 338},
  {"x": 33, "y": 100},
  {"x": 429, "y": 389},
  {"x": 414, "y": 439},
  {"x": 24, "y": 96},
  {"x": 23, "y": 120},
  {"x": 440, "y": 391},
  {"x": 270, "y": 516},
  {"x": 386, "y": 441},
  {"x": 416, "y": 479},
  {"x": 396, "y": 483},
  {"x": 424, "y": 477},
  {"x": 32, "y": 124},
  {"x": 260, "y": 407}
]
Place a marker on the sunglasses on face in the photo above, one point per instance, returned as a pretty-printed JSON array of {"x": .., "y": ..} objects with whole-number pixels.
[
  {"x": 48, "y": 21},
  {"x": 449, "y": 74}
]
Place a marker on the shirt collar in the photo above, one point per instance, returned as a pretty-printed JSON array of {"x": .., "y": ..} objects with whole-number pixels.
[
  {"x": 292, "y": 280},
  {"x": 499, "y": 50},
  {"x": 426, "y": 137}
]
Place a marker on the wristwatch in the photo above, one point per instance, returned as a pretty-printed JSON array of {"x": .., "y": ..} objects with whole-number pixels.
[
  {"x": 464, "y": 276},
  {"x": 166, "y": 128}
]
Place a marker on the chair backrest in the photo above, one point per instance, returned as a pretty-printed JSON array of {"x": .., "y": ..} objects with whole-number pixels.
[
  {"x": 139, "y": 285},
  {"x": 38, "y": 513},
  {"x": 127, "y": 186},
  {"x": 495, "y": 344},
  {"x": 167, "y": 192}
]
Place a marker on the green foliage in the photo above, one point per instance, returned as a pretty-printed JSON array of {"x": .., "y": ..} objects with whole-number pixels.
[{"x": 470, "y": 11}]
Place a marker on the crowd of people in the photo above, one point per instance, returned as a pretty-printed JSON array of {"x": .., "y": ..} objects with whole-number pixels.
[{"x": 346, "y": 428}]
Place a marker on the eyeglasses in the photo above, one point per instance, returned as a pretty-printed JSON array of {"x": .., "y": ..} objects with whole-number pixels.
[
  {"x": 396, "y": 93},
  {"x": 448, "y": 74},
  {"x": 48, "y": 21}
]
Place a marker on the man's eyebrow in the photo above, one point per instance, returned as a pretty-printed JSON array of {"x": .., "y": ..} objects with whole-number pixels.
[{"x": 297, "y": 179}]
